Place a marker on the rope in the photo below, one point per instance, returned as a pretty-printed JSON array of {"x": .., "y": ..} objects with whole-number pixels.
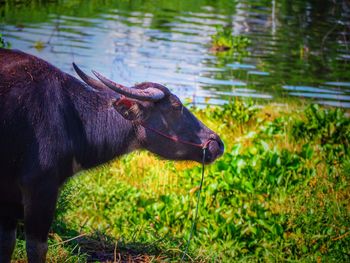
[
  {"x": 174, "y": 138},
  {"x": 204, "y": 146},
  {"x": 197, "y": 207}
]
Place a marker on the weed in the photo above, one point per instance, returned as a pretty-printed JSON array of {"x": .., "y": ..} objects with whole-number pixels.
[
  {"x": 235, "y": 114},
  {"x": 235, "y": 46},
  {"x": 329, "y": 127}
]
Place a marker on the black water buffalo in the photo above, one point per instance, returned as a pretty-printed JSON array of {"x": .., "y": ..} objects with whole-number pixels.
[{"x": 52, "y": 124}]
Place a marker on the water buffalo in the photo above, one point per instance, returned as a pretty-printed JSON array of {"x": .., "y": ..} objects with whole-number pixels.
[{"x": 52, "y": 124}]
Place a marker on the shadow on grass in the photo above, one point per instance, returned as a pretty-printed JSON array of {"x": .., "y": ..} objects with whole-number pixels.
[
  {"x": 99, "y": 247},
  {"x": 68, "y": 245}
]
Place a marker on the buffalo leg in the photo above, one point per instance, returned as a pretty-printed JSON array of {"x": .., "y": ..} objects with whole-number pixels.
[
  {"x": 39, "y": 208},
  {"x": 7, "y": 238}
]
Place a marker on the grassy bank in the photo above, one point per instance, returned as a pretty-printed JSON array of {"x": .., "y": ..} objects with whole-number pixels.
[{"x": 281, "y": 192}]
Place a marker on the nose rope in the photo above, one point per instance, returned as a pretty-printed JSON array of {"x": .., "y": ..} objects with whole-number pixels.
[
  {"x": 197, "y": 207},
  {"x": 176, "y": 139},
  {"x": 204, "y": 147}
]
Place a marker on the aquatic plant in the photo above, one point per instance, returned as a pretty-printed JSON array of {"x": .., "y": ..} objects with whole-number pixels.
[
  {"x": 224, "y": 43},
  {"x": 329, "y": 127},
  {"x": 236, "y": 113}
]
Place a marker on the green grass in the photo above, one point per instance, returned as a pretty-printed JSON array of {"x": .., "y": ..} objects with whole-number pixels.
[
  {"x": 280, "y": 193},
  {"x": 225, "y": 44}
]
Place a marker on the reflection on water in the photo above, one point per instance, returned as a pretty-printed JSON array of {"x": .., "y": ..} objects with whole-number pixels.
[{"x": 299, "y": 48}]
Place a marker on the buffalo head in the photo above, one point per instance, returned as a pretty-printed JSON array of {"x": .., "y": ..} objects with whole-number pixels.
[{"x": 162, "y": 123}]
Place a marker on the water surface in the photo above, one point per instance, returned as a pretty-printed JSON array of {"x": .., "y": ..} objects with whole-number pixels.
[{"x": 299, "y": 49}]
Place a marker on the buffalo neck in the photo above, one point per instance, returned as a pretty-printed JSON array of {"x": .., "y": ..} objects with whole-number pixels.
[{"x": 97, "y": 132}]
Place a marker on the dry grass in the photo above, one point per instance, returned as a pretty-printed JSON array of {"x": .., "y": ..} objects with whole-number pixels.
[{"x": 146, "y": 171}]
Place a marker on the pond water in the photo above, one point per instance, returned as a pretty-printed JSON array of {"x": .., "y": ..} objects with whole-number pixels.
[{"x": 299, "y": 49}]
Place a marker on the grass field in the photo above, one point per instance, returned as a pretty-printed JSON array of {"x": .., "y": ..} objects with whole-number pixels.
[{"x": 280, "y": 193}]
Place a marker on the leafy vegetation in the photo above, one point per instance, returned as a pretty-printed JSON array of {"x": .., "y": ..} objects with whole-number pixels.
[
  {"x": 276, "y": 195},
  {"x": 235, "y": 113},
  {"x": 329, "y": 127},
  {"x": 224, "y": 40}
]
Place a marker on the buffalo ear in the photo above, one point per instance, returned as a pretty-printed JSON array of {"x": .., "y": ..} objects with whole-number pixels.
[{"x": 129, "y": 109}]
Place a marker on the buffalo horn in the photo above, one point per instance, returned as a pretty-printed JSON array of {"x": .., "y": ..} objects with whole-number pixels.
[
  {"x": 149, "y": 94},
  {"x": 88, "y": 80}
]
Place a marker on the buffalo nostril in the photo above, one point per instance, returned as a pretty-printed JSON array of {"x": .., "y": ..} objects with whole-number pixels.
[{"x": 216, "y": 138}]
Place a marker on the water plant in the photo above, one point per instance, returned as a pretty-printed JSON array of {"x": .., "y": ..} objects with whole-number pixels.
[
  {"x": 223, "y": 41},
  {"x": 329, "y": 127},
  {"x": 236, "y": 113}
]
